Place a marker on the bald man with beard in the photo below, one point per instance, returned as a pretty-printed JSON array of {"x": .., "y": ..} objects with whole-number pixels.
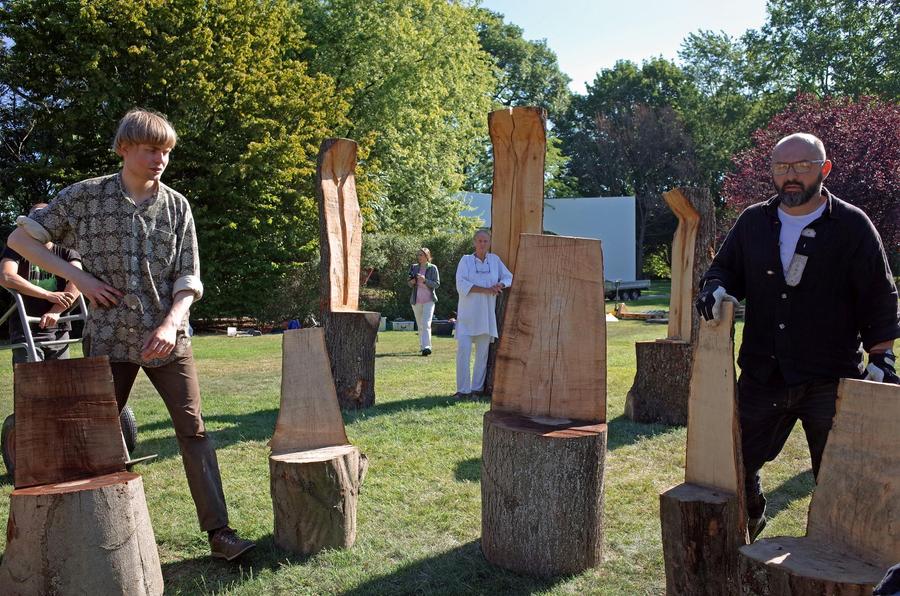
[{"x": 818, "y": 290}]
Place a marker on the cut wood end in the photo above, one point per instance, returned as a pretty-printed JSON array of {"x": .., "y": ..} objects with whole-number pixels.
[{"x": 314, "y": 455}]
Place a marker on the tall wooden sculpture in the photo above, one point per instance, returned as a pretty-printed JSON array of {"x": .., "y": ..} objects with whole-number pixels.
[
  {"x": 519, "y": 140},
  {"x": 349, "y": 332},
  {"x": 662, "y": 380},
  {"x": 703, "y": 524},
  {"x": 544, "y": 439},
  {"x": 78, "y": 522},
  {"x": 853, "y": 533},
  {"x": 315, "y": 474}
]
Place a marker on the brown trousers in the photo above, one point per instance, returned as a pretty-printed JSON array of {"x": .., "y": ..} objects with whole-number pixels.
[{"x": 177, "y": 384}]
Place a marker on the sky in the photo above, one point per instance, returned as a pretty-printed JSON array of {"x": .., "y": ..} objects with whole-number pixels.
[{"x": 590, "y": 35}]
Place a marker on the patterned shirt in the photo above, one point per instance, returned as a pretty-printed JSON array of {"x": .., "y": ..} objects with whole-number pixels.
[{"x": 148, "y": 251}]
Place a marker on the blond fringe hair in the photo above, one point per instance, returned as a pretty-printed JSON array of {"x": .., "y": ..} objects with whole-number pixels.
[{"x": 144, "y": 127}]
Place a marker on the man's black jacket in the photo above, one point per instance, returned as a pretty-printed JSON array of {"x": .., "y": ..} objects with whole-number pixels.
[{"x": 813, "y": 330}]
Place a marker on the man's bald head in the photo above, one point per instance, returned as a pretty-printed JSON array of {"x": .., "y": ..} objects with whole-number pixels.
[
  {"x": 797, "y": 147},
  {"x": 799, "y": 165}
]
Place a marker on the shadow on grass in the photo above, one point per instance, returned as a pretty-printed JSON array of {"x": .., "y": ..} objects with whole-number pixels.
[
  {"x": 259, "y": 425},
  {"x": 207, "y": 575},
  {"x": 624, "y": 432},
  {"x": 462, "y": 570},
  {"x": 797, "y": 487},
  {"x": 468, "y": 470}
]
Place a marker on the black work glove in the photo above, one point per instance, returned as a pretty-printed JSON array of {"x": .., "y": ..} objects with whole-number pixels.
[
  {"x": 881, "y": 368},
  {"x": 710, "y": 298},
  {"x": 890, "y": 584}
]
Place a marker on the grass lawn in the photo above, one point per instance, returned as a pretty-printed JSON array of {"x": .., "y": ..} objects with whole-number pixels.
[{"x": 419, "y": 511}]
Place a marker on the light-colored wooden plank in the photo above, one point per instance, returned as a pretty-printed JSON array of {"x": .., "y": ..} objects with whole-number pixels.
[
  {"x": 856, "y": 503},
  {"x": 309, "y": 416},
  {"x": 552, "y": 356},
  {"x": 682, "y": 263},
  {"x": 340, "y": 224},
  {"x": 713, "y": 441},
  {"x": 67, "y": 421},
  {"x": 519, "y": 141}
]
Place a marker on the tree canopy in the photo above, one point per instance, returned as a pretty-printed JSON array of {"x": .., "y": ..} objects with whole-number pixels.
[{"x": 249, "y": 114}]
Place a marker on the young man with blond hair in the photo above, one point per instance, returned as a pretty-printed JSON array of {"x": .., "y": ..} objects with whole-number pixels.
[{"x": 141, "y": 271}]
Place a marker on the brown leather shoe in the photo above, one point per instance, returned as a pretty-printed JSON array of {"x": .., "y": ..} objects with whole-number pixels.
[{"x": 226, "y": 544}]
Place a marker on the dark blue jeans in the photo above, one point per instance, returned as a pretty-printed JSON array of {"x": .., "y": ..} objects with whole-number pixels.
[{"x": 768, "y": 412}]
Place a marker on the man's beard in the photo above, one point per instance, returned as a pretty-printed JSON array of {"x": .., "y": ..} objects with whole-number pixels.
[{"x": 800, "y": 197}]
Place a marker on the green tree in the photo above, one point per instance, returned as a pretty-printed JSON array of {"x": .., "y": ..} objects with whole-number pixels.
[
  {"x": 419, "y": 87},
  {"x": 827, "y": 47},
  {"x": 226, "y": 72},
  {"x": 526, "y": 73}
]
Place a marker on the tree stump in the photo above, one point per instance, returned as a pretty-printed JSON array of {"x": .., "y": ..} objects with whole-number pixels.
[
  {"x": 542, "y": 494},
  {"x": 314, "y": 495},
  {"x": 661, "y": 383},
  {"x": 81, "y": 537},
  {"x": 701, "y": 537},
  {"x": 659, "y": 393},
  {"x": 797, "y": 567},
  {"x": 350, "y": 338}
]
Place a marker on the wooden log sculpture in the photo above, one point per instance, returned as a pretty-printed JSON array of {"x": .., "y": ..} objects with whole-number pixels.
[
  {"x": 519, "y": 140},
  {"x": 67, "y": 421},
  {"x": 90, "y": 536},
  {"x": 78, "y": 522},
  {"x": 544, "y": 442},
  {"x": 350, "y": 334},
  {"x": 315, "y": 474},
  {"x": 662, "y": 379},
  {"x": 852, "y": 534},
  {"x": 703, "y": 522}
]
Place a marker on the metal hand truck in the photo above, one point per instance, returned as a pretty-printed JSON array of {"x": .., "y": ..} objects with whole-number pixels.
[{"x": 77, "y": 313}]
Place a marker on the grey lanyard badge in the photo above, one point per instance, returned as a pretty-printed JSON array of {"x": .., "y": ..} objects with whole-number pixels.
[{"x": 800, "y": 258}]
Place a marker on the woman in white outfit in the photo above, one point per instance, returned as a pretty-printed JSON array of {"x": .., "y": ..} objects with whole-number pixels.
[
  {"x": 480, "y": 277},
  {"x": 424, "y": 280}
]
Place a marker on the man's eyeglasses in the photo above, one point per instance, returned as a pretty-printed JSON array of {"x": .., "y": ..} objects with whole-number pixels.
[{"x": 800, "y": 167}]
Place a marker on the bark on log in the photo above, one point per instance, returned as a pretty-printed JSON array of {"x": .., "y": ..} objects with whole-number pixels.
[
  {"x": 542, "y": 494},
  {"x": 662, "y": 383},
  {"x": 314, "y": 495},
  {"x": 701, "y": 540},
  {"x": 802, "y": 567},
  {"x": 662, "y": 379},
  {"x": 350, "y": 338},
  {"x": 82, "y": 537}
]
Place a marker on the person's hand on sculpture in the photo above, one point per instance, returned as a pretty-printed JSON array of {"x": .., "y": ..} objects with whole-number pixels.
[{"x": 710, "y": 298}]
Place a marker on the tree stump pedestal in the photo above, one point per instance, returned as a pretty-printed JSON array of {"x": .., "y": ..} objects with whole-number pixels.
[
  {"x": 89, "y": 536},
  {"x": 542, "y": 493},
  {"x": 314, "y": 495},
  {"x": 662, "y": 382},
  {"x": 800, "y": 567},
  {"x": 350, "y": 337},
  {"x": 701, "y": 536}
]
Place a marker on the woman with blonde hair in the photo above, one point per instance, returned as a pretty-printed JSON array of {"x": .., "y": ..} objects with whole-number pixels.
[{"x": 424, "y": 279}]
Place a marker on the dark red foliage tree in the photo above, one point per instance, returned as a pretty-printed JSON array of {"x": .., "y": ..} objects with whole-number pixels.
[{"x": 862, "y": 139}]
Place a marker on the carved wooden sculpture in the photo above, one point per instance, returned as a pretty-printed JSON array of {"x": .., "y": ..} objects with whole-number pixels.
[
  {"x": 852, "y": 535},
  {"x": 78, "y": 522},
  {"x": 349, "y": 333},
  {"x": 315, "y": 474},
  {"x": 519, "y": 140},
  {"x": 703, "y": 523},
  {"x": 544, "y": 439},
  {"x": 662, "y": 380}
]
